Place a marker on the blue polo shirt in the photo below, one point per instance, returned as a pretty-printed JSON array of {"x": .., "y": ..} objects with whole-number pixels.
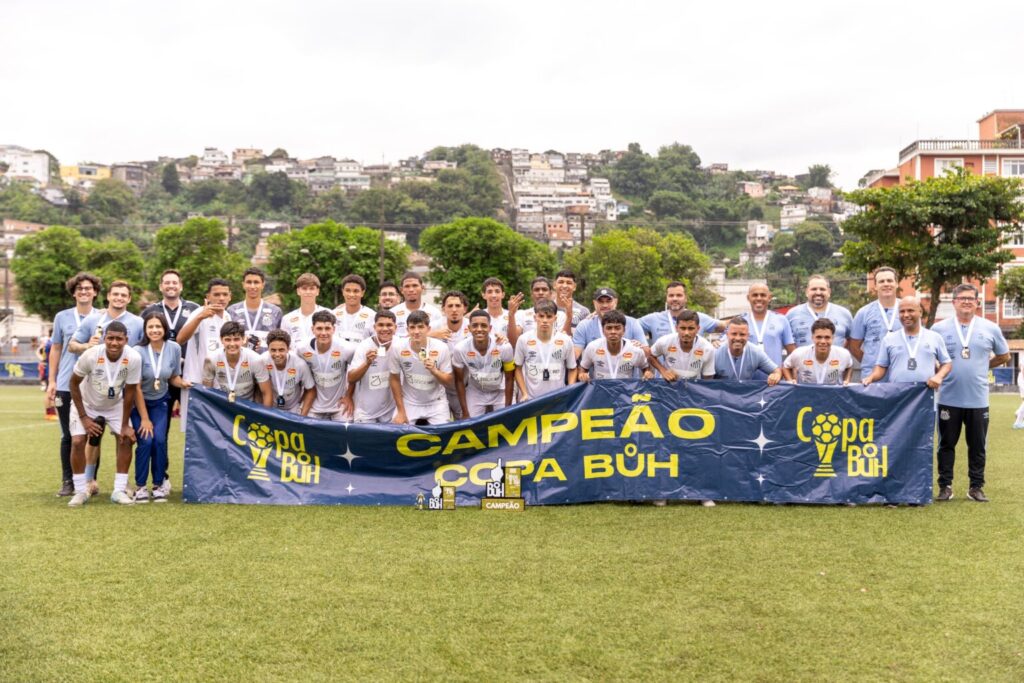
[
  {"x": 65, "y": 324},
  {"x": 966, "y": 386},
  {"x": 777, "y": 334},
  {"x": 101, "y": 319},
  {"x": 658, "y": 324},
  {"x": 870, "y": 328},
  {"x": 893, "y": 354},
  {"x": 749, "y": 366},
  {"x": 802, "y": 317},
  {"x": 170, "y": 366},
  {"x": 590, "y": 329}
]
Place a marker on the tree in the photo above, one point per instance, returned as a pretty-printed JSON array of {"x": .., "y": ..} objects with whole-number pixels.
[
  {"x": 379, "y": 205},
  {"x": 197, "y": 249},
  {"x": 18, "y": 201},
  {"x": 668, "y": 203},
  {"x": 819, "y": 175},
  {"x": 941, "y": 231},
  {"x": 1011, "y": 285},
  {"x": 274, "y": 191},
  {"x": 638, "y": 263},
  {"x": 332, "y": 251},
  {"x": 809, "y": 248},
  {"x": 110, "y": 201},
  {"x": 111, "y": 260},
  {"x": 42, "y": 263},
  {"x": 170, "y": 180},
  {"x": 467, "y": 251}
]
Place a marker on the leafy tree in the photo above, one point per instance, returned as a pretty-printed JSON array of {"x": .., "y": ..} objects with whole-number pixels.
[
  {"x": 467, "y": 251},
  {"x": 42, "y": 263},
  {"x": 169, "y": 179},
  {"x": 110, "y": 201},
  {"x": 809, "y": 247},
  {"x": 941, "y": 231},
  {"x": 332, "y": 251},
  {"x": 331, "y": 205},
  {"x": 638, "y": 263},
  {"x": 379, "y": 205},
  {"x": 197, "y": 249},
  {"x": 113, "y": 260},
  {"x": 274, "y": 191},
  {"x": 18, "y": 201},
  {"x": 1011, "y": 285},
  {"x": 819, "y": 175},
  {"x": 668, "y": 203},
  {"x": 279, "y": 153}
]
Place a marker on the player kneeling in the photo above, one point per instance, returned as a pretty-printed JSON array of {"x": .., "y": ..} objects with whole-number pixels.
[
  {"x": 294, "y": 388},
  {"x": 369, "y": 387},
  {"x": 484, "y": 370},
  {"x": 236, "y": 369}
]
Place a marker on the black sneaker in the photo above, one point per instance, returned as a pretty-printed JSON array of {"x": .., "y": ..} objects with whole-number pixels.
[
  {"x": 945, "y": 493},
  {"x": 976, "y": 494},
  {"x": 66, "y": 489}
]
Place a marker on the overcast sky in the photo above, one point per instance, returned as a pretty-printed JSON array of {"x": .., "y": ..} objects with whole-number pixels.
[{"x": 756, "y": 85}]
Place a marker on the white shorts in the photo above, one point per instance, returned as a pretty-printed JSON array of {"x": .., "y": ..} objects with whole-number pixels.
[
  {"x": 478, "y": 409},
  {"x": 435, "y": 414},
  {"x": 454, "y": 405},
  {"x": 112, "y": 416},
  {"x": 363, "y": 418},
  {"x": 332, "y": 417}
]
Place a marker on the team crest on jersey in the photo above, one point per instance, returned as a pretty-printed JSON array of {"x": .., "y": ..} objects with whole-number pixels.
[
  {"x": 335, "y": 354},
  {"x": 406, "y": 352},
  {"x": 293, "y": 319},
  {"x": 834, "y": 363},
  {"x": 471, "y": 354},
  {"x": 364, "y": 315},
  {"x": 435, "y": 354},
  {"x": 400, "y": 313},
  {"x": 495, "y": 352},
  {"x": 291, "y": 371},
  {"x": 266, "y": 318},
  {"x": 627, "y": 355},
  {"x": 698, "y": 353},
  {"x": 808, "y": 362},
  {"x": 600, "y": 352},
  {"x": 220, "y": 364},
  {"x": 307, "y": 355},
  {"x": 559, "y": 342},
  {"x": 672, "y": 349},
  {"x": 532, "y": 342}
]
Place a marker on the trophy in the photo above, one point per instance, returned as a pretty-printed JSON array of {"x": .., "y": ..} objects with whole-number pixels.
[
  {"x": 826, "y": 432},
  {"x": 441, "y": 498},
  {"x": 504, "y": 490}
]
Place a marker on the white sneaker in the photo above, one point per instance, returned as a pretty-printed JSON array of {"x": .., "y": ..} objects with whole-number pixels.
[
  {"x": 159, "y": 496},
  {"x": 1018, "y": 425},
  {"x": 141, "y": 495},
  {"x": 121, "y": 498},
  {"x": 165, "y": 487},
  {"x": 708, "y": 503},
  {"x": 659, "y": 503},
  {"x": 78, "y": 500}
]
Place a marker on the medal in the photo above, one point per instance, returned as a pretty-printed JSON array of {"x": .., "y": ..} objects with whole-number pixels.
[
  {"x": 965, "y": 354},
  {"x": 111, "y": 377},
  {"x": 546, "y": 375},
  {"x": 965, "y": 339},
  {"x": 155, "y": 363},
  {"x": 545, "y": 359},
  {"x": 912, "y": 364},
  {"x": 381, "y": 352},
  {"x": 758, "y": 337},
  {"x": 423, "y": 354},
  {"x": 911, "y": 351},
  {"x": 280, "y": 401},
  {"x": 231, "y": 397},
  {"x": 280, "y": 380},
  {"x": 156, "y": 385},
  {"x": 232, "y": 380},
  {"x": 110, "y": 393}
]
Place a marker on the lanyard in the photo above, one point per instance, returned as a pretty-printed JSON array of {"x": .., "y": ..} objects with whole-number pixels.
[
  {"x": 743, "y": 357},
  {"x": 965, "y": 341},
  {"x": 80, "y": 318},
  {"x": 283, "y": 374},
  {"x": 382, "y": 349},
  {"x": 233, "y": 380},
  {"x": 157, "y": 362},
  {"x": 545, "y": 359},
  {"x": 111, "y": 377},
  {"x": 758, "y": 333},
  {"x": 911, "y": 352},
  {"x": 250, "y": 326},
  {"x": 614, "y": 369},
  {"x": 828, "y": 307},
  {"x": 819, "y": 377},
  {"x": 321, "y": 366},
  {"x": 173, "y": 322},
  {"x": 486, "y": 355},
  {"x": 888, "y": 321}
]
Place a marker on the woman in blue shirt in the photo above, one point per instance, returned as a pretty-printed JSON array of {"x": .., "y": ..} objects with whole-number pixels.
[{"x": 161, "y": 366}]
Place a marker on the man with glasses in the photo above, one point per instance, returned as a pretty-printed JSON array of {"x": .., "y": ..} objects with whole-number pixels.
[{"x": 976, "y": 345}]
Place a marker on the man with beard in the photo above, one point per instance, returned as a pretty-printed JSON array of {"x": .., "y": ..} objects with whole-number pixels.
[{"x": 819, "y": 306}]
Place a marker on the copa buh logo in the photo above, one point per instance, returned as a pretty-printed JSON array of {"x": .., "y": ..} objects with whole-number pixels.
[
  {"x": 852, "y": 437},
  {"x": 296, "y": 465}
]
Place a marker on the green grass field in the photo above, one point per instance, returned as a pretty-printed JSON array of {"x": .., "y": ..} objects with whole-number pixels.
[{"x": 593, "y": 592}]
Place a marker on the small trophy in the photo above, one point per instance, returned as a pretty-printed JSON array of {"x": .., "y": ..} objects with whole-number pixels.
[
  {"x": 434, "y": 502},
  {"x": 504, "y": 491},
  {"x": 420, "y": 501}
]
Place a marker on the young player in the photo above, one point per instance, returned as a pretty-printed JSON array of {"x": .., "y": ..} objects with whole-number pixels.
[
  {"x": 453, "y": 330},
  {"x": 369, "y": 386},
  {"x": 412, "y": 290},
  {"x": 421, "y": 370},
  {"x": 293, "y": 387},
  {"x": 103, "y": 394},
  {"x": 819, "y": 362},
  {"x": 236, "y": 369},
  {"x": 200, "y": 336},
  {"x": 544, "y": 359},
  {"x": 610, "y": 357},
  {"x": 493, "y": 292},
  {"x": 328, "y": 358},
  {"x": 484, "y": 369},
  {"x": 684, "y": 354},
  {"x": 256, "y": 315},
  {"x": 299, "y": 323},
  {"x": 355, "y": 321}
]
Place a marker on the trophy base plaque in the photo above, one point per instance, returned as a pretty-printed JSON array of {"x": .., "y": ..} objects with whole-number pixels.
[{"x": 503, "y": 504}]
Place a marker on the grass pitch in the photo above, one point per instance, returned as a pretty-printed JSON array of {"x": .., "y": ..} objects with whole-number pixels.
[{"x": 591, "y": 592}]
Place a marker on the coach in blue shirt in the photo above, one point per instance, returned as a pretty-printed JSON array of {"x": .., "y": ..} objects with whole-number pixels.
[
  {"x": 605, "y": 299},
  {"x": 660, "y": 323},
  {"x": 743, "y": 361},
  {"x": 911, "y": 353}
]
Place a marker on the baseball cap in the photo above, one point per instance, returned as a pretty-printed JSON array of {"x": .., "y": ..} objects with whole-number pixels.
[{"x": 605, "y": 292}]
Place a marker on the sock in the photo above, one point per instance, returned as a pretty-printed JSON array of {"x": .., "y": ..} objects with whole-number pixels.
[
  {"x": 79, "y": 480},
  {"x": 120, "y": 481},
  {"x": 1020, "y": 413},
  {"x": 90, "y": 471}
]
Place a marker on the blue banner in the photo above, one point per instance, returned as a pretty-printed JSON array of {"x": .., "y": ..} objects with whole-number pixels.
[
  {"x": 603, "y": 441},
  {"x": 20, "y": 369}
]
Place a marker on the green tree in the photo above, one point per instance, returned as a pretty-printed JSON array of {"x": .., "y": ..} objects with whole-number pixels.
[
  {"x": 19, "y": 202},
  {"x": 274, "y": 191},
  {"x": 197, "y": 249},
  {"x": 170, "y": 180},
  {"x": 1011, "y": 286},
  {"x": 379, "y": 205},
  {"x": 638, "y": 263},
  {"x": 42, "y": 263},
  {"x": 113, "y": 260},
  {"x": 809, "y": 247},
  {"x": 819, "y": 175},
  {"x": 467, "y": 251},
  {"x": 110, "y": 201},
  {"x": 669, "y": 203},
  {"x": 941, "y": 231},
  {"x": 332, "y": 251}
]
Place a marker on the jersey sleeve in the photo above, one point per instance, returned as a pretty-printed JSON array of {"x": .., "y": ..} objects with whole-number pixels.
[
  {"x": 787, "y": 332},
  {"x": 209, "y": 372},
  {"x": 84, "y": 365},
  {"x": 587, "y": 358},
  {"x": 857, "y": 328},
  {"x": 305, "y": 375},
  {"x": 635, "y": 331},
  {"x": 519, "y": 355},
  {"x": 135, "y": 369},
  {"x": 882, "y": 358},
  {"x": 259, "y": 369},
  {"x": 85, "y": 330},
  {"x": 941, "y": 351},
  {"x": 58, "y": 329},
  {"x": 707, "y": 366}
]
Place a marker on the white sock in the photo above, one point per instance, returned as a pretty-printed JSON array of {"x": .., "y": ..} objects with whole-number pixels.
[
  {"x": 79, "y": 480},
  {"x": 120, "y": 481},
  {"x": 1020, "y": 412}
]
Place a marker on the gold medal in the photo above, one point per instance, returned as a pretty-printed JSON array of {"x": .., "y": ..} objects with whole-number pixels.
[
  {"x": 156, "y": 385},
  {"x": 231, "y": 397}
]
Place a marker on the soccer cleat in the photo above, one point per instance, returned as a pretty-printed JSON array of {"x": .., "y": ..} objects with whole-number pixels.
[
  {"x": 66, "y": 489},
  {"x": 166, "y": 487},
  {"x": 708, "y": 503},
  {"x": 1018, "y": 425},
  {"x": 92, "y": 488},
  {"x": 977, "y": 495},
  {"x": 121, "y": 498},
  {"x": 141, "y": 495},
  {"x": 78, "y": 500},
  {"x": 159, "y": 496},
  {"x": 945, "y": 493}
]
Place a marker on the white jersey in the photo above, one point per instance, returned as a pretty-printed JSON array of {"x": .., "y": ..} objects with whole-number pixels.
[
  {"x": 103, "y": 380},
  {"x": 244, "y": 375},
  {"x": 526, "y": 322},
  {"x": 402, "y": 312},
  {"x": 300, "y": 327},
  {"x": 289, "y": 384},
  {"x": 499, "y": 324},
  {"x": 557, "y": 356},
  {"x": 419, "y": 386},
  {"x": 354, "y": 327},
  {"x": 603, "y": 364},
  {"x": 330, "y": 374},
  {"x": 484, "y": 372},
  {"x": 203, "y": 343},
  {"x": 373, "y": 399},
  {"x": 697, "y": 363},
  {"x": 808, "y": 370}
]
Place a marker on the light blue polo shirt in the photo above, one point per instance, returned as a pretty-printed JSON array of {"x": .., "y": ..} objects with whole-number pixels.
[
  {"x": 748, "y": 366},
  {"x": 870, "y": 329},
  {"x": 776, "y": 334},
  {"x": 65, "y": 324},
  {"x": 658, "y": 324},
  {"x": 170, "y": 366},
  {"x": 966, "y": 386},
  {"x": 100, "y": 318},
  {"x": 802, "y": 317},
  {"x": 894, "y": 356},
  {"x": 590, "y": 329}
]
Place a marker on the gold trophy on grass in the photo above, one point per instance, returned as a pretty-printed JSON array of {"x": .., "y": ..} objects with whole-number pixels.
[{"x": 504, "y": 490}]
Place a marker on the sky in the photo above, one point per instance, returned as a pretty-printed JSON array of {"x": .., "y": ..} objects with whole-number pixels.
[{"x": 773, "y": 86}]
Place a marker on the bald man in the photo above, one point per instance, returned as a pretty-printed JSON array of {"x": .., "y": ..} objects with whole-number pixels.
[{"x": 768, "y": 330}]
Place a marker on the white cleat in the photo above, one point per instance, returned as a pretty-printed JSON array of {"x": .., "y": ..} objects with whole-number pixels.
[{"x": 78, "y": 500}]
